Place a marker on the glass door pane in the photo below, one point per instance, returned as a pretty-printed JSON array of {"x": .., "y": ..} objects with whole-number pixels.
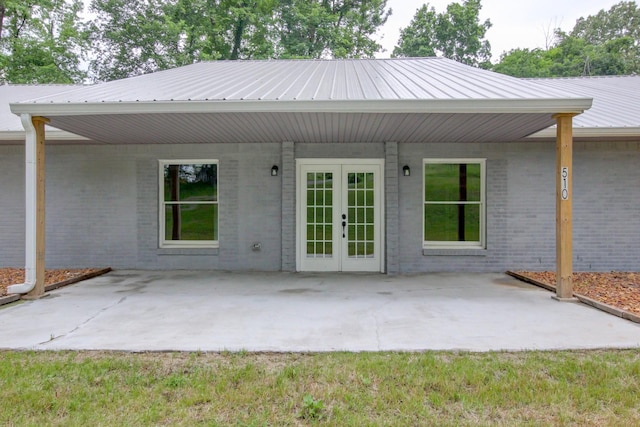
[
  {"x": 360, "y": 215},
  {"x": 319, "y": 207}
]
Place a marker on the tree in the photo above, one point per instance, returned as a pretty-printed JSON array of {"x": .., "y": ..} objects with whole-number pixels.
[
  {"x": 226, "y": 29},
  {"x": 607, "y": 43},
  {"x": 456, "y": 34},
  {"x": 134, "y": 37},
  {"x": 419, "y": 38},
  {"x": 322, "y": 28},
  {"x": 622, "y": 20},
  {"x": 524, "y": 63},
  {"x": 619, "y": 27},
  {"x": 131, "y": 37},
  {"x": 41, "y": 41},
  {"x": 139, "y": 36}
]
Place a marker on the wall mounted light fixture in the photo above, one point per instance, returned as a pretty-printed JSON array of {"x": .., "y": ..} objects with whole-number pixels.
[
  {"x": 406, "y": 170},
  {"x": 274, "y": 170}
]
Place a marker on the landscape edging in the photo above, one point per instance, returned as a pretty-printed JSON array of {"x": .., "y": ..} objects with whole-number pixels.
[
  {"x": 583, "y": 299},
  {"x": 8, "y": 299}
]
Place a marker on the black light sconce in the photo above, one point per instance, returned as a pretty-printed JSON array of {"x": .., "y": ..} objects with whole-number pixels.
[
  {"x": 406, "y": 170},
  {"x": 274, "y": 170}
]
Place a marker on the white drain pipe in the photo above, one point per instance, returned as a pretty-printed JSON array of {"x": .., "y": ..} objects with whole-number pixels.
[{"x": 31, "y": 175}]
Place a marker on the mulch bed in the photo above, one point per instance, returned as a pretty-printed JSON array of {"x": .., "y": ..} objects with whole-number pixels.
[
  {"x": 617, "y": 289},
  {"x": 14, "y": 276}
]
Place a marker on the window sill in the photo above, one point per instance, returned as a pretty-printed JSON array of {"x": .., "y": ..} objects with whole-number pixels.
[
  {"x": 188, "y": 251},
  {"x": 454, "y": 252}
]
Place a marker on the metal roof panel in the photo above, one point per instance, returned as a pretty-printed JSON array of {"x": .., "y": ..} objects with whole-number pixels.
[
  {"x": 348, "y": 79},
  {"x": 616, "y": 100}
]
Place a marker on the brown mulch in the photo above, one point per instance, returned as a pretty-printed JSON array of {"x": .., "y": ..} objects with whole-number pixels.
[
  {"x": 618, "y": 289},
  {"x": 14, "y": 276}
]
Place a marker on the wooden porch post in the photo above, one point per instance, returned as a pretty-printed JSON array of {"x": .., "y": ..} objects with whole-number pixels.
[
  {"x": 564, "y": 214},
  {"x": 38, "y": 290}
]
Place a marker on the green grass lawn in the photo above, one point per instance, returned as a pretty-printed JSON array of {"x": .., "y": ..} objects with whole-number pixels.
[{"x": 433, "y": 388}]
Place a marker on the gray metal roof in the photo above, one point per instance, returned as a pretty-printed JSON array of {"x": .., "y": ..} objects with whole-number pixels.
[
  {"x": 10, "y": 125},
  {"x": 616, "y": 104},
  {"x": 414, "y": 99},
  {"x": 314, "y": 80}
]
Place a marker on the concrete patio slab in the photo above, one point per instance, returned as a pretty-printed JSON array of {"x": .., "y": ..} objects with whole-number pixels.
[{"x": 215, "y": 311}]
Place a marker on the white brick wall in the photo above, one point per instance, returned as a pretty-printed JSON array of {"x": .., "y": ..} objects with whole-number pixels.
[
  {"x": 521, "y": 207},
  {"x": 102, "y": 206}
]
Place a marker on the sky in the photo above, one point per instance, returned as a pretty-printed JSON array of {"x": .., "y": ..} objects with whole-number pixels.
[{"x": 516, "y": 23}]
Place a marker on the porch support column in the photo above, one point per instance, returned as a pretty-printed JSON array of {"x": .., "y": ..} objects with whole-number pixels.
[
  {"x": 392, "y": 208},
  {"x": 34, "y": 208},
  {"x": 564, "y": 209},
  {"x": 288, "y": 182}
]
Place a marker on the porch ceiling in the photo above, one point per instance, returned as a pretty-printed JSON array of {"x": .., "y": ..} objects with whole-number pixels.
[{"x": 303, "y": 127}]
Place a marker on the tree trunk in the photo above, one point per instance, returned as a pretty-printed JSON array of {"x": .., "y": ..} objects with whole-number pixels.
[
  {"x": 2, "y": 12},
  {"x": 237, "y": 39}
]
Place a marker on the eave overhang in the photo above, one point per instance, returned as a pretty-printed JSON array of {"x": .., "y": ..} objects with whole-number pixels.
[
  {"x": 52, "y": 135},
  {"x": 463, "y": 106},
  {"x": 583, "y": 132}
]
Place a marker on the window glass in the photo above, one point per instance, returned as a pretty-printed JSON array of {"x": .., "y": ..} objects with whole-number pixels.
[
  {"x": 191, "y": 222},
  {"x": 452, "y": 182},
  {"x": 189, "y": 204},
  {"x": 453, "y": 203},
  {"x": 191, "y": 182},
  {"x": 443, "y": 222}
]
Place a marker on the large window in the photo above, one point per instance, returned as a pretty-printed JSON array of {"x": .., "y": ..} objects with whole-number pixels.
[
  {"x": 189, "y": 203},
  {"x": 454, "y": 206}
]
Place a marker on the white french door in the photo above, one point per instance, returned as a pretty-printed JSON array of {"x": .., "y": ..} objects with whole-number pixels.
[{"x": 340, "y": 215}]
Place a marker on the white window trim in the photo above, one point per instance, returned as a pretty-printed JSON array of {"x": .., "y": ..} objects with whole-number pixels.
[
  {"x": 483, "y": 206},
  {"x": 162, "y": 242}
]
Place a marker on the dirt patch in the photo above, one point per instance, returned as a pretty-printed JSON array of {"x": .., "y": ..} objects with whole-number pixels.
[
  {"x": 617, "y": 289},
  {"x": 14, "y": 276}
]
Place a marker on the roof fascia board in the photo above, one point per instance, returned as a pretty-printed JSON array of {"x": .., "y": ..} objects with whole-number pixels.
[
  {"x": 601, "y": 132},
  {"x": 571, "y": 105},
  {"x": 49, "y": 135}
]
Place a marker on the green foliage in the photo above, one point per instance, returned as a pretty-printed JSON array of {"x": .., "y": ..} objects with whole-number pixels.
[
  {"x": 456, "y": 34},
  {"x": 141, "y": 36},
  {"x": 131, "y": 37},
  {"x": 607, "y": 43},
  {"x": 622, "y": 20},
  {"x": 41, "y": 41},
  {"x": 419, "y": 38},
  {"x": 311, "y": 408},
  {"x": 617, "y": 31},
  {"x": 224, "y": 29},
  {"x": 524, "y": 63},
  {"x": 341, "y": 29}
]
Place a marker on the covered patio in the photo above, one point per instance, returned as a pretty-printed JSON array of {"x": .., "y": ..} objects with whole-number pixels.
[
  {"x": 387, "y": 103},
  {"x": 217, "y": 311}
]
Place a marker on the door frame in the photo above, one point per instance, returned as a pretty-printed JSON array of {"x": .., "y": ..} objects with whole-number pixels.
[{"x": 340, "y": 162}]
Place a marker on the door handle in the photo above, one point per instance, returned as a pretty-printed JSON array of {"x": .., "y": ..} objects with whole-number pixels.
[{"x": 344, "y": 224}]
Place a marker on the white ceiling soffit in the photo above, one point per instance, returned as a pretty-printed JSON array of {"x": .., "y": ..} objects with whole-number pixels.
[{"x": 304, "y": 127}]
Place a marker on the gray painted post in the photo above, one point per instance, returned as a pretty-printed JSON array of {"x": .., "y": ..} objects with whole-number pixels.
[
  {"x": 392, "y": 208},
  {"x": 288, "y": 179}
]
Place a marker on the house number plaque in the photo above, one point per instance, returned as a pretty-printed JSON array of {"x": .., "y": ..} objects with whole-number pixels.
[{"x": 564, "y": 186}]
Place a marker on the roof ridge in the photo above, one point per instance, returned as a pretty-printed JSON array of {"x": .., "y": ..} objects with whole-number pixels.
[{"x": 240, "y": 61}]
